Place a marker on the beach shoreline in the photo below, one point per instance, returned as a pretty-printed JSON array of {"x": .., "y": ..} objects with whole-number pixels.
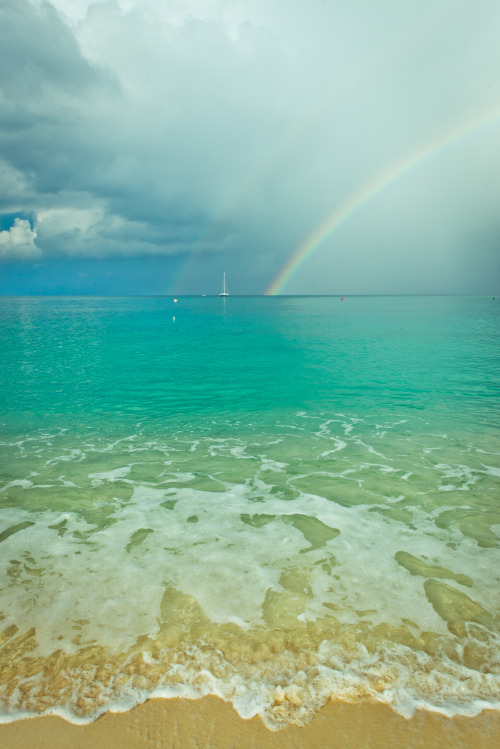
[
  {"x": 272, "y": 541},
  {"x": 211, "y": 723}
]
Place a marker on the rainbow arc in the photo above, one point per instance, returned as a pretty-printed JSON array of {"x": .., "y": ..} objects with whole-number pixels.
[{"x": 372, "y": 190}]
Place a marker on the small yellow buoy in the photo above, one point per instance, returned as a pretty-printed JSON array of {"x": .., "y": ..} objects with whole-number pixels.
[{"x": 175, "y": 300}]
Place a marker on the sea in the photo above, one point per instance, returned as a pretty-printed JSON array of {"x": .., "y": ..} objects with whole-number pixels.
[{"x": 277, "y": 500}]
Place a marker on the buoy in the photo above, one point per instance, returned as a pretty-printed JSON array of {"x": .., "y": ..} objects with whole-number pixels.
[
  {"x": 173, "y": 318},
  {"x": 341, "y": 298},
  {"x": 175, "y": 300}
]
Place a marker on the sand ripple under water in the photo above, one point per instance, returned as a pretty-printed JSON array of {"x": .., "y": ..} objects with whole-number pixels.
[{"x": 330, "y": 556}]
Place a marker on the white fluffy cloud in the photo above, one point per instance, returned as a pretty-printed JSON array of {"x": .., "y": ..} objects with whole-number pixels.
[{"x": 18, "y": 242}]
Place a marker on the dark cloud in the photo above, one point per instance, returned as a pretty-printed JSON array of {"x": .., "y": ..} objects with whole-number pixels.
[
  {"x": 39, "y": 54},
  {"x": 46, "y": 86}
]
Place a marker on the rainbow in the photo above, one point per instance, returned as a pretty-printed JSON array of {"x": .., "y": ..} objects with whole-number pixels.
[
  {"x": 370, "y": 191},
  {"x": 284, "y": 144}
]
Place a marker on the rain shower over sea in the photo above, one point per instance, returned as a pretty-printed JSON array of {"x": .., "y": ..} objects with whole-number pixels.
[{"x": 277, "y": 500}]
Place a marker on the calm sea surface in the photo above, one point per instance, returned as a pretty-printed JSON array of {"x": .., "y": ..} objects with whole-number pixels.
[{"x": 275, "y": 500}]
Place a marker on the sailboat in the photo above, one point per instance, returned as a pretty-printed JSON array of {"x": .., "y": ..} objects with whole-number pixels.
[{"x": 224, "y": 291}]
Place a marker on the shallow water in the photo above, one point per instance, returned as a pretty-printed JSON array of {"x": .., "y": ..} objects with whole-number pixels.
[{"x": 276, "y": 500}]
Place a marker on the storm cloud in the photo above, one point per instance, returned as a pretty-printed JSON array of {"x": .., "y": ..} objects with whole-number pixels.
[{"x": 206, "y": 135}]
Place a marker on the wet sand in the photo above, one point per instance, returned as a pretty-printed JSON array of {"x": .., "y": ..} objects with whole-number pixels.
[{"x": 213, "y": 724}]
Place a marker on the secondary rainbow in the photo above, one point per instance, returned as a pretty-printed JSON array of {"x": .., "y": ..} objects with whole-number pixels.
[{"x": 371, "y": 190}]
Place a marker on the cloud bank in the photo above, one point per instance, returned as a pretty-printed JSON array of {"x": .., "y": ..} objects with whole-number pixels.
[{"x": 219, "y": 135}]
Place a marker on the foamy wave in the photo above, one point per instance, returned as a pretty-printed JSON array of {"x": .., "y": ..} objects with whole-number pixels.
[
  {"x": 285, "y": 676},
  {"x": 276, "y": 569}
]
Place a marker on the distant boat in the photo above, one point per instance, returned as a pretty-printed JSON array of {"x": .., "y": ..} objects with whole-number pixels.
[{"x": 224, "y": 291}]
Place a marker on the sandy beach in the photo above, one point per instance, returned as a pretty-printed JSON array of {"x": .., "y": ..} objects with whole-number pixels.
[{"x": 212, "y": 724}]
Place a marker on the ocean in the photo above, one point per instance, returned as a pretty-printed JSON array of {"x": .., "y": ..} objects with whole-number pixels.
[{"x": 276, "y": 500}]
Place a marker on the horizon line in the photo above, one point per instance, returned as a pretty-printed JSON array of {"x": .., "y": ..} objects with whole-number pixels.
[{"x": 250, "y": 294}]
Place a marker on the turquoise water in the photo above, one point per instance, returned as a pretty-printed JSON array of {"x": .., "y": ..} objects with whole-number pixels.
[{"x": 279, "y": 500}]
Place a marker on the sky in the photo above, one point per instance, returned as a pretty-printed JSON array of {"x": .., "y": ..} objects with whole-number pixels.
[{"x": 299, "y": 146}]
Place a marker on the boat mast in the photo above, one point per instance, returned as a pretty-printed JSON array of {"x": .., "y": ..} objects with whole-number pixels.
[{"x": 224, "y": 292}]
